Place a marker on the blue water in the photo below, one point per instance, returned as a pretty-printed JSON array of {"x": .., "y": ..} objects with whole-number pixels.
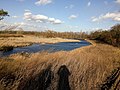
[{"x": 64, "y": 46}]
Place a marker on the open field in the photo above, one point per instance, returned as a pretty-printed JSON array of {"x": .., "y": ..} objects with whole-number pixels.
[
  {"x": 25, "y": 40},
  {"x": 88, "y": 69}
]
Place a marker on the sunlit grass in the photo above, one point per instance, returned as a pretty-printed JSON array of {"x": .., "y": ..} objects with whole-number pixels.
[
  {"x": 89, "y": 66},
  {"x": 25, "y": 40}
]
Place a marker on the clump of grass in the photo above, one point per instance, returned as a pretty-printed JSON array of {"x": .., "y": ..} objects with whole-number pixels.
[{"x": 6, "y": 48}]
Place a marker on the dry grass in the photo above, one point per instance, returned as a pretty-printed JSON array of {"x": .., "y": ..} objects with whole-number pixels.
[
  {"x": 28, "y": 40},
  {"x": 10, "y": 35},
  {"x": 89, "y": 66}
]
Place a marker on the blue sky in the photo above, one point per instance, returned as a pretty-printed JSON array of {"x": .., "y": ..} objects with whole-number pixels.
[{"x": 61, "y": 15}]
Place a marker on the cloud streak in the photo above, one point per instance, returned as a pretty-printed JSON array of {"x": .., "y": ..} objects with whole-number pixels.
[
  {"x": 43, "y": 2},
  {"x": 70, "y": 6},
  {"x": 72, "y": 16},
  {"x": 15, "y": 17},
  {"x": 115, "y": 16}
]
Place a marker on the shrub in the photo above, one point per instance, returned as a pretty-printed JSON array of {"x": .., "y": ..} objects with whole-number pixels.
[{"x": 6, "y": 48}]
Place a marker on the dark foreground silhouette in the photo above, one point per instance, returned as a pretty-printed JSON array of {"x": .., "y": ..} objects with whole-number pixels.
[
  {"x": 63, "y": 83},
  {"x": 43, "y": 80},
  {"x": 111, "y": 80},
  {"x": 39, "y": 82}
]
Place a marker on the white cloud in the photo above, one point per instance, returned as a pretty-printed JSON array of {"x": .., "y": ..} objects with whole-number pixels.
[
  {"x": 57, "y": 21},
  {"x": 113, "y": 16},
  {"x": 51, "y": 19},
  {"x": 70, "y": 6},
  {"x": 3, "y": 23},
  {"x": 117, "y": 1},
  {"x": 40, "y": 18},
  {"x": 43, "y": 2},
  {"x": 27, "y": 10},
  {"x": 89, "y": 3},
  {"x": 95, "y": 19},
  {"x": 73, "y": 16},
  {"x": 28, "y": 15},
  {"x": 20, "y": 23},
  {"x": 15, "y": 16},
  {"x": 39, "y": 21}
]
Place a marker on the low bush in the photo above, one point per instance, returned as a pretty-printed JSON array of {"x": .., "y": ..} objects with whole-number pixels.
[{"x": 6, "y": 48}]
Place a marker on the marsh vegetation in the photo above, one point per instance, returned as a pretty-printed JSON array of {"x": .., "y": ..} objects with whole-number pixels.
[
  {"x": 88, "y": 66},
  {"x": 92, "y": 67}
]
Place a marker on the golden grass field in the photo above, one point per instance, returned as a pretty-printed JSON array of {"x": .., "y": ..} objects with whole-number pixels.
[
  {"x": 89, "y": 66},
  {"x": 25, "y": 40}
]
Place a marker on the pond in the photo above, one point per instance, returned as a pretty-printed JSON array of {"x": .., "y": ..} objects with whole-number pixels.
[{"x": 62, "y": 46}]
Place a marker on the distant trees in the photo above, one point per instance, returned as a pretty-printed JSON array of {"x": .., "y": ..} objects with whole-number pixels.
[
  {"x": 47, "y": 34},
  {"x": 3, "y": 14},
  {"x": 111, "y": 36},
  {"x": 68, "y": 35}
]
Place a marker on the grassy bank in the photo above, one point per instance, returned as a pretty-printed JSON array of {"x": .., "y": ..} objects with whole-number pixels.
[
  {"x": 17, "y": 40},
  {"x": 88, "y": 66}
]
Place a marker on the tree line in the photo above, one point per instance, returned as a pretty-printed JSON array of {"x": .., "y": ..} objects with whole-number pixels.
[
  {"x": 48, "y": 34},
  {"x": 111, "y": 36}
]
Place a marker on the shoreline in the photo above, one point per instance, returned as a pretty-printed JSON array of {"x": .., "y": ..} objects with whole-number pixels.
[{"x": 28, "y": 40}]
